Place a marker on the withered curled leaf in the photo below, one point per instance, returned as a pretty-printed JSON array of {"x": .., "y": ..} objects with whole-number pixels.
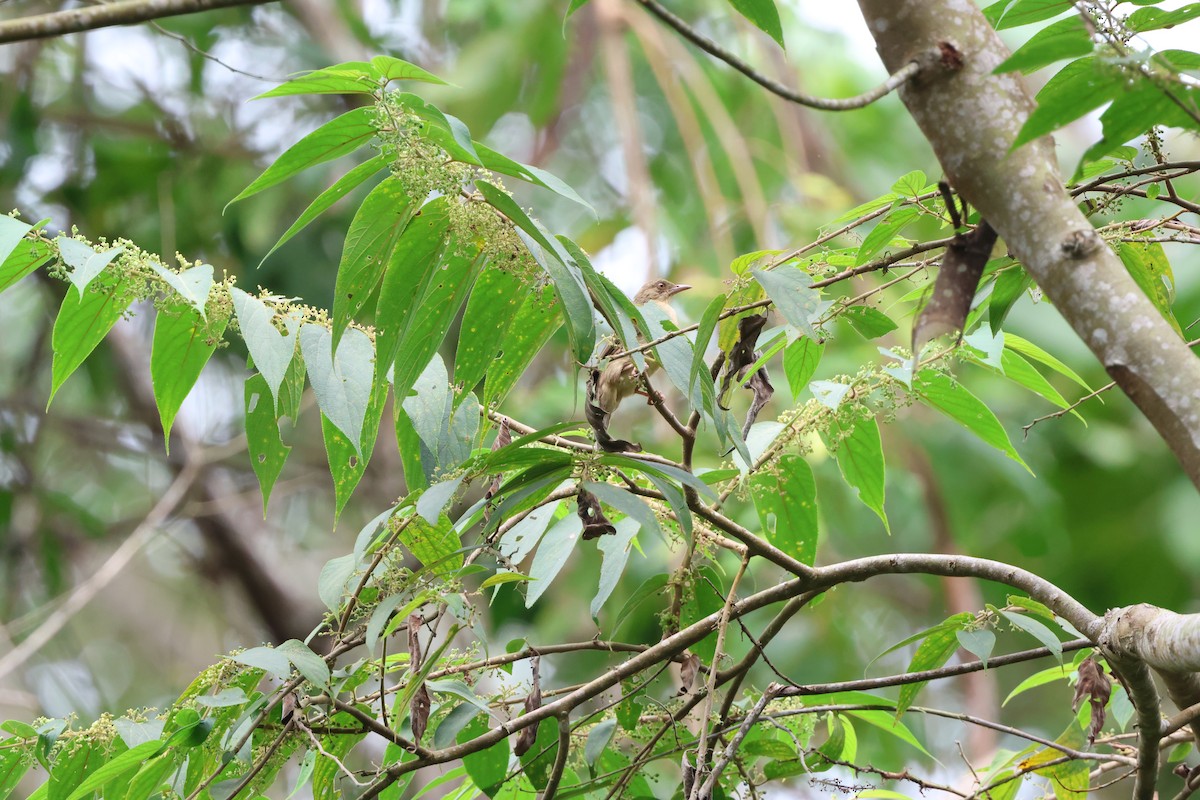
[
  {"x": 595, "y": 524},
  {"x": 1096, "y": 686},
  {"x": 528, "y": 735}
]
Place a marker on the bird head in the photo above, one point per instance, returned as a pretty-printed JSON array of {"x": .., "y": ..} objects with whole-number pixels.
[{"x": 660, "y": 290}]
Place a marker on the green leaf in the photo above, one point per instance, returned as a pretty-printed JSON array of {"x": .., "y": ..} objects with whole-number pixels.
[
  {"x": 539, "y": 759},
  {"x": 615, "y": 550},
  {"x": 786, "y": 501},
  {"x": 1147, "y": 264},
  {"x": 491, "y": 310},
  {"x": 193, "y": 285},
  {"x": 498, "y": 162},
  {"x": 1011, "y": 283},
  {"x": 1067, "y": 38},
  {"x": 790, "y": 289},
  {"x": 501, "y": 578},
  {"x": 704, "y": 333},
  {"x": 533, "y": 325},
  {"x": 26, "y": 256},
  {"x": 348, "y": 459},
  {"x": 447, "y": 434},
  {"x": 435, "y": 546},
  {"x": 341, "y": 382},
  {"x": 1032, "y": 351},
  {"x": 939, "y": 644},
  {"x": 183, "y": 343},
  {"x": 306, "y": 662},
  {"x": 868, "y": 209},
  {"x": 84, "y": 261},
  {"x": 267, "y": 451},
  {"x": 390, "y": 68},
  {"x": 1152, "y": 19},
  {"x": 948, "y": 396},
  {"x": 558, "y": 264},
  {"x": 128, "y": 761},
  {"x": 552, "y": 554},
  {"x": 860, "y": 458},
  {"x": 650, "y": 587},
  {"x": 71, "y": 768},
  {"x": 598, "y": 740},
  {"x": 13, "y": 766},
  {"x": 1079, "y": 87},
  {"x": 763, "y": 14},
  {"x": 12, "y": 231},
  {"x": 882, "y": 235},
  {"x": 1020, "y": 371},
  {"x": 870, "y": 322},
  {"x": 271, "y": 349},
  {"x": 1049, "y": 675},
  {"x": 1025, "y": 12},
  {"x": 911, "y": 184},
  {"x": 1037, "y": 630},
  {"x": 333, "y": 580},
  {"x": 338, "y": 137},
  {"x": 979, "y": 643},
  {"x": 265, "y": 658},
  {"x": 443, "y": 295},
  {"x": 371, "y": 246},
  {"x": 488, "y": 767},
  {"x": 82, "y": 322},
  {"x": 800, "y": 361},
  {"x": 351, "y": 77},
  {"x": 341, "y": 187},
  {"x": 706, "y": 597}
]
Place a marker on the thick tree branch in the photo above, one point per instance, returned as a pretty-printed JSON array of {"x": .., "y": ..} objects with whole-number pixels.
[
  {"x": 971, "y": 117},
  {"x": 88, "y": 18}
]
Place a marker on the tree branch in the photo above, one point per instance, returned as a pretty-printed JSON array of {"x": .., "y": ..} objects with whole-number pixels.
[{"x": 125, "y": 12}]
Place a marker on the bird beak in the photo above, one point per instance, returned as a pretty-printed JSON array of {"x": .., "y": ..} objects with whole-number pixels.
[{"x": 683, "y": 287}]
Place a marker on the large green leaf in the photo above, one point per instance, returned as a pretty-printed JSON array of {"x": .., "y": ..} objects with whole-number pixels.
[
  {"x": 763, "y": 14},
  {"x": 271, "y": 349},
  {"x": 82, "y": 322},
  {"x": 1148, "y": 266},
  {"x": 192, "y": 285},
  {"x": 447, "y": 434},
  {"x": 267, "y": 450},
  {"x": 343, "y": 381},
  {"x": 444, "y": 294},
  {"x": 340, "y": 188},
  {"x": 338, "y": 137},
  {"x": 935, "y": 649},
  {"x": 413, "y": 262},
  {"x": 12, "y": 231},
  {"x": 800, "y": 361},
  {"x": 790, "y": 289},
  {"x": 860, "y": 459},
  {"x": 615, "y": 549},
  {"x": 1067, "y": 38},
  {"x": 351, "y": 77},
  {"x": 948, "y": 396},
  {"x": 487, "y": 767},
  {"x": 534, "y": 324},
  {"x": 552, "y": 553},
  {"x": 25, "y": 256},
  {"x": 558, "y": 264},
  {"x": 435, "y": 546},
  {"x": 348, "y": 459},
  {"x": 131, "y": 759},
  {"x": 786, "y": 500},
  {"x": 884, "y": 232},
  {"x": 371, "y": 247},
  {"x": 183, "y": 343},
  {"x": 491, "y": 310},
  {"x": 1084, "y": 84}
]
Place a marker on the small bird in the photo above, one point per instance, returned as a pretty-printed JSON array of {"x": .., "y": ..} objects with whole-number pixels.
[{"x": 619, "y": 378}]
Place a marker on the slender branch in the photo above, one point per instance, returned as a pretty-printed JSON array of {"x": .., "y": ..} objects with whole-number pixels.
[
  {"x": 560, "y": 757},
  {"x": 123, "y": 12},
  {"x": 893, "y": 82}
]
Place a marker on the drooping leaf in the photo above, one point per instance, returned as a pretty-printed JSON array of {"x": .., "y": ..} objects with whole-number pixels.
[
  {"x": 491, "y": 310},
  {"x": 446, "y": 433},
  {"x": 535, "y": 322},
  {"x": 340, "y": 188},
  {"x": 786, "y": 500},
  {"x": 1084, "y": 84},
  {"x": 627, "y": 503},
  {"x": 341, "y": 382},
  {"x": 616, "y": 554},
  {"x": 860, "y": 459},
  {"x": 1035, "y": 629},
  {"x": 489, "y": 766},
  {"x": 12, "y": 231},
  {"x": 1067, "y": 38},
  {"x": 1025, "y": 12},
  {"x": 935, "y": 649},
  {"x": 26, "y": 256},
  {"x": 869, "y": 321},
  {"x": 348, "y": 458},
  {"x": 271, "y": 349},
  {"x": 552, "y": 554},
  {"x": 192, "y": 285},
  {"x": 435, "y": 546},
  {"x": 1147, "y": 264},
  {"x": 952, "y": 399},
  {"x": 266, "y": 448},
  {"x": 183, "y": 344},
  {"x": 351, "y": 77},
  {"x": 979, "y": 642},
  {"x": 708, "y": 324},
  {"x": 306, "y": 662},
  {"x": 390, "y": 68},
  {"x": 882, "y": 235},
  {"x": 85, "y": 262},
  {"x": 371, "y": 247},
  {"x": 763, "y": 14},
  {"x": 338, "y": 137},
  {"x": 82, "y": 322},
  {"x": 800, "y": 360},
  {"x": 790, "y": 289}
]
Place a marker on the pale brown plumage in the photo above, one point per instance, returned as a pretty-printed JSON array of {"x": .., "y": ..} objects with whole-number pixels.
[{"x": 619, "y": 378}]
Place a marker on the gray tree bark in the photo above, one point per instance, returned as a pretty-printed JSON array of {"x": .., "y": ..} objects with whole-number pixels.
[{"x": 971, "y": 117}]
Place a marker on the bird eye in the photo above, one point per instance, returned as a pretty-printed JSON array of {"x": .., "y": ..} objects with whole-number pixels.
[{"x": 662, "y": 284}]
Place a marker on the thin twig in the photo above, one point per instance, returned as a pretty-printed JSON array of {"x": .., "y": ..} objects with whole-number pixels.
[{"x": 123, "y": 12}]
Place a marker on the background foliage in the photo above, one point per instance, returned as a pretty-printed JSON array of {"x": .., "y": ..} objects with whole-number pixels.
[{"x": 144, "y": 134}]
